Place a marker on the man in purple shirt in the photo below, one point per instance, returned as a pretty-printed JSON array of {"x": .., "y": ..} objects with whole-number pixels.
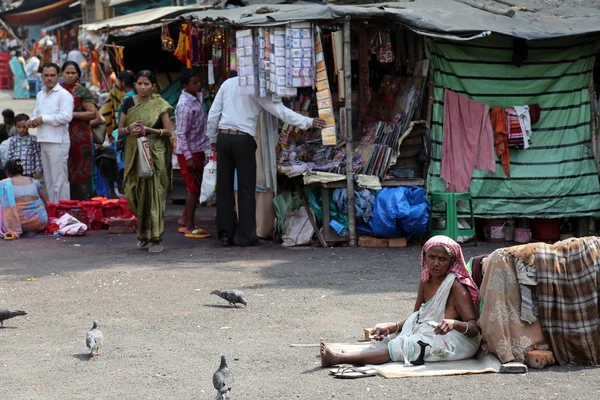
[{"x": 192, "y": 141}]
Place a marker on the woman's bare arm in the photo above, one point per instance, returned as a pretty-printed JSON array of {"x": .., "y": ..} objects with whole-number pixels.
[{"x": 88, "y": 114}]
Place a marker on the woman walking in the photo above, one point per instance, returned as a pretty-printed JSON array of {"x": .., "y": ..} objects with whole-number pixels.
[
  {"x": 81, "y": 153},
  {"x": 21, "y": 86},
  {"x": 147, "y": 115}
]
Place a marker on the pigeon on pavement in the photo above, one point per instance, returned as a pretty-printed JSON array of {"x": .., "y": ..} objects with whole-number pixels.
[
  {"x": 234, "y": 297},
  {"x": 223, "y": 380},
  {"x": 93, "y": 339},
  {"x": 8, "y": 314}
]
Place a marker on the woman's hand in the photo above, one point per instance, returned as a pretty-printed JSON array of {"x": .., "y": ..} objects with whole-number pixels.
[
  {"x": 380, "y": 331},
  {"x": 135, "y": 129},
  {"x": 445, "y": 326}
]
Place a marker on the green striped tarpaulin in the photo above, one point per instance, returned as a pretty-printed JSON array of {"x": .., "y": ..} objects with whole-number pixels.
[{"x": 556, "y": 176}]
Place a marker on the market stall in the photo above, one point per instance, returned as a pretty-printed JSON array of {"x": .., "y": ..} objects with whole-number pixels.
[{"x": 342, "y": 70}]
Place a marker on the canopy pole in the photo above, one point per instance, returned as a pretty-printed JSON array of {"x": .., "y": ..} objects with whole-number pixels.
[{"x": 348, "y": 122}]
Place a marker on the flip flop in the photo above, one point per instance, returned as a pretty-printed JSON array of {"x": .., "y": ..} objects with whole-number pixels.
[
  {"x": 182, "y": 229},
  {"x": 198, "y": 233},
  {"x": 9, "y": 236},
  {"x": 155, "y": 248},
  {"x": 142, "y": 244},
  {"x": 351, "y": 372}
]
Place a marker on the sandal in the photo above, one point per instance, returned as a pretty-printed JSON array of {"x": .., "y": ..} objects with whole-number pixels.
[
  {"x": 10, "y": 236},
  {"x": 155, "y": 248},
  {"x": 351, "y": 372},
  {"x": 198, "y": 233},
  {"x": 142, "y": 244},
  {"x": 182, "y": 229}
]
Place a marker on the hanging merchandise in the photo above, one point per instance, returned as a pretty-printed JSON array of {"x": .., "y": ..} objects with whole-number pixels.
[
  {"x": 299, "y": 56},
  {"x": 182, "y": 49},
  {"x": 246, "y": 67},
  {"x": 168, "y": 44},
  {"x": 211, "y": 73},
  {"x": 265, "y": 49},
  {"x": 381, "y": 46},
  {"x": 277, "y": 63},
  {"x": 324, "y": 102}
]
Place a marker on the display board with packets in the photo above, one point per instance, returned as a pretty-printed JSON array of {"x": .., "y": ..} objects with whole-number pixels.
[{"x": 324, "y": 102}]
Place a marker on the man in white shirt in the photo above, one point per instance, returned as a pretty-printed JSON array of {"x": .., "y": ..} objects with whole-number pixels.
[
  {"x": 32, "y": 67},
  {"x": 52, "y": 114},
  {"x": 232, "y": 125}
]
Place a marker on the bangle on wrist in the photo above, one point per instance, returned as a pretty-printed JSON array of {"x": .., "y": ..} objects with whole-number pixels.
[
  {"x": 161, "y": 132},
  {"x": 466, "y": 330},
  {"x": 127, "y": 129},
  {"x": 397, "y": 327}
]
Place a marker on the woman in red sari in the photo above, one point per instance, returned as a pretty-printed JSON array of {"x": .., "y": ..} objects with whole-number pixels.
[{"x": 81, "y": 154}]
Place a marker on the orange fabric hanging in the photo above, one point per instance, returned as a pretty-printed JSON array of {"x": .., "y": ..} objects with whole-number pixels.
[{"x": 498, "y": 117}]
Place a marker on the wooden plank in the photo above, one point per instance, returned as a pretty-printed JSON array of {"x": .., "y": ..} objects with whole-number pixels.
[
  {"x": 311, "y": 216},
  {"x": 507, "y": 12}
]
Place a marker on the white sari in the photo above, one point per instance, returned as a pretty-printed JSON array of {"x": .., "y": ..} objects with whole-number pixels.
[{"x": 404, "y": 346}]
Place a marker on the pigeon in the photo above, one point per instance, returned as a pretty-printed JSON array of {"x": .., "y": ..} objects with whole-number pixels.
[
  {"x": 234, "y": 297},
  {"x": 93, "y": 339},
  {"x": 223, "y": 381},
  {"x": 8, "y": 314}
]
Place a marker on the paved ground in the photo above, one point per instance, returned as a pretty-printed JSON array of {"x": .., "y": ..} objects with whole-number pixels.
[{"x": 164, "y": 331}]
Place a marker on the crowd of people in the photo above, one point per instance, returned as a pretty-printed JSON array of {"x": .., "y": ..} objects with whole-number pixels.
[{"x": 64, "y": 154}]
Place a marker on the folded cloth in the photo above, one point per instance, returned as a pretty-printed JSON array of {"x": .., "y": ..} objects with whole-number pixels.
[{"x": 70, "y": 226}]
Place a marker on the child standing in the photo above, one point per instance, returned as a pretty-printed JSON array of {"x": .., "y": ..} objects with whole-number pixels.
[{"x": 26, "y": 148}]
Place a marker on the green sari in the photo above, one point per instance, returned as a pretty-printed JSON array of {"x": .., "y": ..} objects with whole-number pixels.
[{"x": 147, "y": 197}]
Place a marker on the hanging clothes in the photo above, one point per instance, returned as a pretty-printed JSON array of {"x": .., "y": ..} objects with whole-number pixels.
[
  {"x": 467, "y": 141},
  {"x": 525, "y": 122},
  {"x": 516, "y": 139},
  {"x": 498, "y": 118}
]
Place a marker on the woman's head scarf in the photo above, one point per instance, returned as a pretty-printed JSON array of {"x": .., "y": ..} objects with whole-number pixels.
[{"x": 458, "y": 267}]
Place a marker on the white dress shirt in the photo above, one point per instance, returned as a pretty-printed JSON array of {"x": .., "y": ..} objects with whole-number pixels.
[
  {"x": 32, "y": 67},
  {"x": 56, "y": 109},
  {"x": 232, "y": 110}
]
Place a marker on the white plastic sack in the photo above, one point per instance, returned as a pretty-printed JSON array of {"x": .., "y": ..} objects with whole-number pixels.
[
  {"x": 208, "y": 191},
  {"x": 298, "y": 229}
]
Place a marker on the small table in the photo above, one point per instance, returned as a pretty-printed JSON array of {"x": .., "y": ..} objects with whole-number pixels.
[{"x": 332, "y": 236}]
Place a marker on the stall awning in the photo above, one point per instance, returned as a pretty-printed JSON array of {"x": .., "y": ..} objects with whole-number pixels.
[
  {"x": 35, "y": 12},
  {"x": 61, "y": 24},
  {"x": 534, "y": 19},
  {"x": 143, "y": 17}
]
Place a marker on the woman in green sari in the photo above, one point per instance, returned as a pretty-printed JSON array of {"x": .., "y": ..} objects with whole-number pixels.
[{"x": 147, "y": 114}]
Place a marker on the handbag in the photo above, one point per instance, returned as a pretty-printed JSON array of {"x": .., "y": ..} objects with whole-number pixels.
[
  {"x": 99, "y": 133},
  {"x": 145, "y": 160}
]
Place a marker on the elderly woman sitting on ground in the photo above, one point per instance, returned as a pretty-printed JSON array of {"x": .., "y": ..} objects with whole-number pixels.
[{"x": 445, "y": 306}]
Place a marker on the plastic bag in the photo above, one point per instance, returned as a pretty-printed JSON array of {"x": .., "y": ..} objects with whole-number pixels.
[
  {"x": 208, "y": 191},
  {"x": 298, "y": 229},
  {"x": 442, "y": 347},
  {"x": 146, "y": 167}
]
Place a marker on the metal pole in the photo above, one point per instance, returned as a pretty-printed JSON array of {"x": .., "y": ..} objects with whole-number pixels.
[{"x": 349, "y": 149}]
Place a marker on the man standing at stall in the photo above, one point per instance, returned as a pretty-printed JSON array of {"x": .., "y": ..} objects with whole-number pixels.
[
  {"x": 231, "y": 126},
  {"x": 192, "y": 142},
  {"x": 51, "y": 116}
]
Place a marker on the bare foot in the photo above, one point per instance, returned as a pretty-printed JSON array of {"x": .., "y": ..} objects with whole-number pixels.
[{"x": 328, "y": 357}]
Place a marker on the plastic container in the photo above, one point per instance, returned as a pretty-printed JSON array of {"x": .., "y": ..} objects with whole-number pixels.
[
  {"x": 51, "y": 210},
  {"x": 546, "y": 230},
  {"x": 62, "y": 209},
  {"x": 111, "y": 210},
  {"x": 495, "y": 230},
  {"x": 522, "y": 235},
  {"x": 76, "y": 211},
  {"x": 91, "y": 211},
  {"x": 125, "y": 210},
  {"x": 69, "y": 202}
]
